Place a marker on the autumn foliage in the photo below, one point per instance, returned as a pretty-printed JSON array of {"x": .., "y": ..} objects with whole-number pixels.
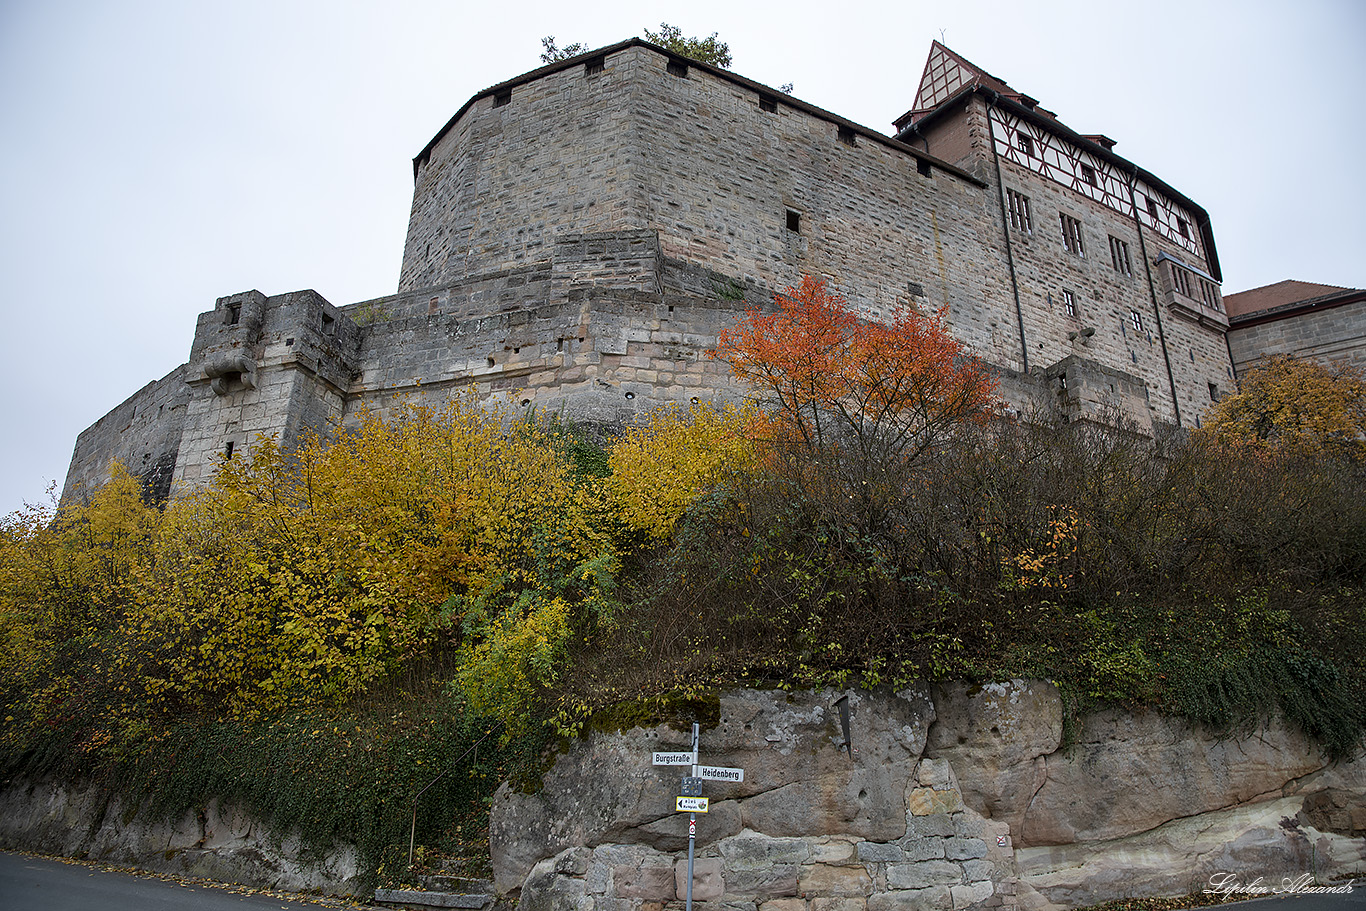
[
  {"x": 1295, "y": 405},
  {"x": 850, "y": 406}
]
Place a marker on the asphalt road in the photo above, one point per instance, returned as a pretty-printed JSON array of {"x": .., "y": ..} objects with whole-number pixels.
[{"x": 38, "y": 884}]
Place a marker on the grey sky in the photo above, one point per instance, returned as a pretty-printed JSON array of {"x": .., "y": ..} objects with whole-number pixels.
[{"x": 158, "y": 155}]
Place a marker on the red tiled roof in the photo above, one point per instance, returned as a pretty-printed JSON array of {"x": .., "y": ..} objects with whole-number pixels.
[{"x": 1278, "y": 295}]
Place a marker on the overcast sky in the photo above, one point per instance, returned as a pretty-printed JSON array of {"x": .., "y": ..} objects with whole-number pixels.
[{"x": 158, "y": 155}]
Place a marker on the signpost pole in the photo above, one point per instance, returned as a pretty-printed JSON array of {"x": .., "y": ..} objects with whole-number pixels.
[{"x": 692, "y": 820}]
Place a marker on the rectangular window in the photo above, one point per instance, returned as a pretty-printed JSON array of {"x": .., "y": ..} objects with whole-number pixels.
[
  {"x": 1183, "y": 229},
  {"x": 1213, "y": 392},
  {"x": 1020, "y": 219},
  {"x": 678, "y": 69},
  {"x": 846, "y": 135},
  {"x": 595, "y": 66},
  {"x": 1088, "y": 174},
  {"x": 1209, "y": 293},
  {"x": 1181, "y": 280},
  {"x": 1136, "y": 320},
  {"x": 502, "y": 98},
  {"x": 768, "y": 103},
  {"x": 1071, "y": 235},
  {"x": 1119, "y": 256},
  {"x": 1069, "y": 303},
  {"x": 1024, "y": 143},
  {"x": 794, "y": 221},
  {"x": 1152, "y": 207}
]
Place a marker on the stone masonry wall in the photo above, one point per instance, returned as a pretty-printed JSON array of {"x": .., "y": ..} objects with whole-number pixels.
[
  {"x": 953, "y": 797},
  {"x": 1336, "y": 334}
]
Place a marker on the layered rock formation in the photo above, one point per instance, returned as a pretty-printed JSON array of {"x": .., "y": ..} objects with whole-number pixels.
[{"x": 951, "y": 798}]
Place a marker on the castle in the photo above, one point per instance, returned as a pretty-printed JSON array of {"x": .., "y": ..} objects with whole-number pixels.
[{"x": 580, "y": 234}]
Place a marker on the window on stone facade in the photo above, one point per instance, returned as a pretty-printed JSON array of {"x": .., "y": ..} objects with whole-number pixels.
[
  {"x": 1213, "y": 392},
  {"x": 1119, "y": 256},
  {"x": 846, "y": 135},
  {"x": 1071, "y": 235},
  {"x": 1181, "y": 280},
  {"x": 678, "y": 69},
  {"x": 1020, "y": 219},
  {"x": 1136, "y": 320},
  {"x": 234, "y": 314},
  {"x": 1088, "y": 174},
  {"x": 1209, "y": 293},
  {"x": 1183, "y": 229},
  {"x": 922, "y": 167},
  {"x": 595, "y": 66},
  {"x": 502, "y": 98},
  {"x": 794, "y": 221},
  {"x": 1069, "y": 303},
  {"x": 227, "y": 450},
  {"x": 1024, "y": 143},
  {"x": 768, "y": 103}
]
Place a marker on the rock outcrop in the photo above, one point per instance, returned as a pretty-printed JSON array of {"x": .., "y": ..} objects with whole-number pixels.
[{"x": 951, "y": 798}]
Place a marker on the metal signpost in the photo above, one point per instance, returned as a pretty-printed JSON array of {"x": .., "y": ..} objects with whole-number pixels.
[{"x": 691, "y": 801}]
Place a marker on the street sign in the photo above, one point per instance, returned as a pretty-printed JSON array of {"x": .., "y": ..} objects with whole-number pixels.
[
  {"x": 720, "y": 773},
  {"x": 690, "y": 804},
  {"x": 692, "y": 787},
  {"x": 672, "y": 759}
]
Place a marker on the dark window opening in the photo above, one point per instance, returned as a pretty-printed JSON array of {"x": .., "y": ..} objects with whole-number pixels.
[
  {"x": 289, "y": 343},
  {"x": 794, "y": 221},
  {"x": 846, "y": 135},
  {"x": 1213, "y": 392},
  {"x": 922, "y": 167},
  {"x": 1183, "y": 229},
  {"x": 559, "y": 344},
  {"x": 595, "y": 66},
  {"x": 516, "y": 350},
  {"x": 678, "y": 69},
  {"x": 327, "y": 324},
  {"x": 1024, "y": 144},
  {"x": 502, "y": 98},
  {"x": 227, "y": 450},
  {"x": 768, "y": 103},
  {"x": 1088, "y": 174},
  {"x": 234, "y": 314},
  {"x": 1152, "y": 207},
  {"x": 491, "y": 361}
]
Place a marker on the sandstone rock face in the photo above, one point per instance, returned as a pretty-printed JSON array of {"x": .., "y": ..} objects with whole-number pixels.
[
  {"x": 797, "y": 779},
  {"x": 222, "y": 843},
  {"x": 953, "y": 798}
]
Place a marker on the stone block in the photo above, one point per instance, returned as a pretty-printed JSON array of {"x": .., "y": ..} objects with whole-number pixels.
[
  {"x": 830, "y": 881},
  {"x": 924, "y": 874},
  {"x": 783, "y": 904},
  {"x": 707, "y": 881},
  {"x": 934, "y": 898},
  {"x": 970, "y": 894},
  {"x": 839, "y": 904},
  {"x": 653, "y": 882},
  {"x": 875, "y": 852},
  {"x": 931, "y": 802},
  {"x": 916, "y": 849},
  {"x": 940, "y": 825},
  {"x": 832, "y": 851},
  {"x": 964, "y": 848}
]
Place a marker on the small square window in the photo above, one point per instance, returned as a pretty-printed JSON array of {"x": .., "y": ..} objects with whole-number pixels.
[
  {"x": 595, "y": 66},
  {"x": 794, "y": 221},
  {"x": 768, "y": 103},
  {"x": 922, "y": 167},
  {"x": 1088, "y": 174},
  {"x": 1024, "y": 143},
  {"x": 502, "y": 98},
  {"x": 846, "y": 135},
  {"x": 678, "y": 69}
]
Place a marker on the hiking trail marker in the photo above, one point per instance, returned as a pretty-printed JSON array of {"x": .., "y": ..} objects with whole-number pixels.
[{"x": 690, "y": 799}]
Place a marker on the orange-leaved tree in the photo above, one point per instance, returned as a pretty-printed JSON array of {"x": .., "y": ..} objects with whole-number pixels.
[{"x": 852, "y": 406}]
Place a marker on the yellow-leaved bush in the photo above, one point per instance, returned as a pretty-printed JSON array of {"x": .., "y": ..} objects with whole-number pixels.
[{"x": 662, "y": 467}]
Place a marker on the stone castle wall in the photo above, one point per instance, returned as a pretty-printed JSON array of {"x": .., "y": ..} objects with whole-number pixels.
[
  {"x": 581, "y": 235},
  {"x": 1336, "y": 334}
]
